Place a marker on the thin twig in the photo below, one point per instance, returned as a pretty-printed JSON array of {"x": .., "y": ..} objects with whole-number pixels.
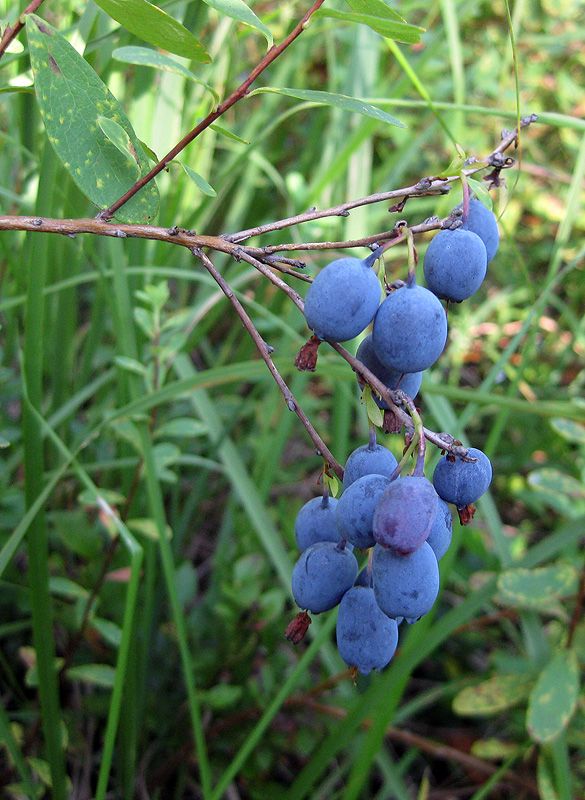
[
  {"x": 242, "y": 90},
  {"x": 264, "y": 351},
  {"x": 12, "y": 31}
]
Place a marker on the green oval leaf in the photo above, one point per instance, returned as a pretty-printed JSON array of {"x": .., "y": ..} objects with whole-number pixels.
[
  {"x": 238, "y": 10},
  {"x": 97, "y": 674},
  {"x": 491, "y": 696},
  {"x": 120, "y": 139},
  {"x": 71, "y": 98},
  {"x": 147, "y": 57},
  {"x": 559, "y": 490},
  {"x": 569, "y": 429},
  {"x": 536, "y": 588},
  {"x": 399, "y": 31},
  {"x": 182, "y": 427},
  {"x": 153, "y": 25},
  {"x": 554, "y": 697},
  {"x": 65, "y": 587},
  {"x": 338, "y": 100}
]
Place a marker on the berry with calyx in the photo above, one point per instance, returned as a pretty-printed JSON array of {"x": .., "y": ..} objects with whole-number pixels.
[
  {"x": 355, "y": 510},
  {"x": 408, "y": 382},
  {"x": 483, "y": 222},
  {"x": 315, "y": 522},
  {"x": 368, "y": 459},
  {"x": 343, "y": 298},
  {"x": 455, "y": 264},
  {"x": 366, "y": 637},
  {"x": 405, "y": 586},
  {"x": 460, "y": 481},
  {"x": 322, "y": 575},
  {"x": 405, "y": 513},
  {"x": 410, "y": 328}
]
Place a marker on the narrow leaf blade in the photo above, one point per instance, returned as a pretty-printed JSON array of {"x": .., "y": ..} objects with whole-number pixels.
[
  {"x": 147, "y": 57},
  {"x": 399, "y": 31},
  {"x": 199, "y": 182},
  {"x": 238, "y": 10},
  {"x": 338, "y": 100},
  {"x": 153, "y": 25}
]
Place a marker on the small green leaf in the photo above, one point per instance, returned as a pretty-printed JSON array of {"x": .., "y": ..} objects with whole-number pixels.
[
  {"x": 480, "y": 190},
  {"x": 64, "y": 587},
  {"x": 108, "y": 630},
  {"x": 147, "y": 527},
  {"x": 492, "y": 696},
  {"x": 337, "y": 100},
  {"x": 375, "y": 8},
  {"x": 398, "y": 31},
  {"x": 113, "y": 498},
  {"x": 182, "y": 427},
  {"x": 229, "y": 134},
  {"x": 153, "y": 25},
  {"x": 554, "y": 697},
  {"x": 222, "y": 696},
  {"x": 536, "y": 588},
  {"x": 71, "y": 99},
  {"x": 120, "y": 139},
  {"x": 330, "y": 480},
  {"x": 493, "y": 749},
  {"x": 147, "y": 57},
  {"x": 561, "y": 491},
  {"x": 199, "y": 182},
  {"x": 97, "y": 674},
  {"x": 131, "y": 365},
  {"x": 569, "y": 429},
  {"x": 375, "y": 414},
  {"x": 238, "y": 10}
]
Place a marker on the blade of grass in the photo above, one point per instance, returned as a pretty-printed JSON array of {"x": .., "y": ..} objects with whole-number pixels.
[
  {"x": 129, "y": 348},
  {"x": 287, "y": 688},
  {"x": 419, "y": 86},
  {"x": 135, "y": 551},
  {"x": 9, "y": 741},
  {"x": 37, "y": 259},
  {"x": 449, "y": 14}
]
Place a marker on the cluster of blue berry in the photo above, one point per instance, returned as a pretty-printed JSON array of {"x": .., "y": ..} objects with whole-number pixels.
[{"x": 404, "y": 522}]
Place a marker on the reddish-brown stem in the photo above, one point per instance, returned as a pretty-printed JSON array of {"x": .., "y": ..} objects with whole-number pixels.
[
  {"x": 12, "y": 31},
  {"x": 578, "y": 610},
  {"x": 264, "y": 351},
  {"x": 242, "y": 90}
]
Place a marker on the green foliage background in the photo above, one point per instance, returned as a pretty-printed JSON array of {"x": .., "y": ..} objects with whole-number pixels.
[{"x": 150, "y": 397}]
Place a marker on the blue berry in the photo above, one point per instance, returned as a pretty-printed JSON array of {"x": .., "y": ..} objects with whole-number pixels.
[
  {"x": 343, "y": 299},
  {"x": 441, "y": 531},
  {"x": 366, "y": 637},
  {"x": 455, "y": 264},
  {"x": 483, "y": 222},
  {"x": 367, "y": 460},
  {"x": 405, "y": 513},
  {"x": 462, "y": 482},
  {"x": 408, "y": 382},
  {"x": 405, "y": 586},
  {"x": 315, "y": 522},
  {"x": 322, "y": 575},
  {"x": 410, "y": 329},
  {"x": 355, "y": 510}
]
